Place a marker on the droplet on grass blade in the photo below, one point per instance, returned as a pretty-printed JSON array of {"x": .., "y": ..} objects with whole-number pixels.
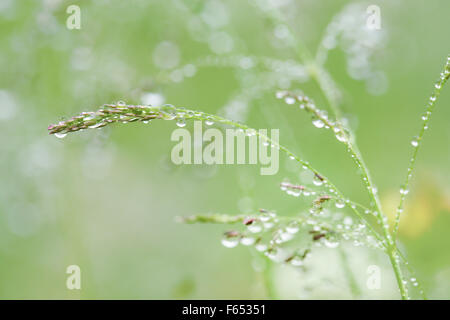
[
  {"x": 318, "y": 123},
  {"x": 60, "y": 135}
]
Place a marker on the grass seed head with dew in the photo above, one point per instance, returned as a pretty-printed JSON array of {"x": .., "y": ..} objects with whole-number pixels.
[{"x": 330, "y": 218}]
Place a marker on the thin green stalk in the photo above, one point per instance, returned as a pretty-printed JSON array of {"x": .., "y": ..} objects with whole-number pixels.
[
  {"x": 417, "y": 141},
  {"x": 413, "y": 274},
  {"x": 318, "y": 75},
  {"x": 324, "y": 81},
  {"x": 367, "y": 180}
]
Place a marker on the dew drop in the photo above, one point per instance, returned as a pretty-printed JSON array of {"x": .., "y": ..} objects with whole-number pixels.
[
  {"x": 97, "y": 125},
  {"x": 330, "y": 244},
  {"x": 255, "y": 227},
  {"x": 340, "y": 205},
  {"x": 261, "y": 247},
  {"x": 317, "y": 181},
  {"x": 285, "y": 236},
  {"x": 289, "y": 100},
  {"x": 292, "y": 228},
  {"x": 230, "y": 242},
  {"x": 60, "y": 135},
  {"x": 341, "y": 137},
  {"x": 247, "y": 241},
  {"x": 415, "y": 142},
  {"x": 280, "y": 94},
  {"x": 209, "y": 121},
  {"x": 268, "y": 225},
  {"x": 265, "y": 217},
  {"x": 181, "y": 122},
  {"x": 318, "y": 123},
  {"x": 169, "y": 112},
  {"x": 296, "y": 262}
]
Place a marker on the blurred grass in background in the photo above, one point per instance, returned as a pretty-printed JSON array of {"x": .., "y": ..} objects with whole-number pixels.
[{"x": 106, "y": 199}]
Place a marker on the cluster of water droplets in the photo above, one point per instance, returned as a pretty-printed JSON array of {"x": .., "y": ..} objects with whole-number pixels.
[
  {"x": 122, "y": 113},
  {"x": 328, "y": 208},
  {"x": 272, "y": 236},
  {"x": 324, "y": 225},
  {"x": 415, "y": 142},
  {"x": 320, "y": 118}
]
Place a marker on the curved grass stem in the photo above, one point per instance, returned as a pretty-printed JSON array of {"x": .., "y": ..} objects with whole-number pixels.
[{"x": 417, "y": 141}]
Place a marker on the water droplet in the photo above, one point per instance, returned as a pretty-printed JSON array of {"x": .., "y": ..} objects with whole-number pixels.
[
  {"x": 341, "y": 136},
  {"x": 404, "y": 191},
  {"x": 296, "y": 262},
  {"x": 230, "y": 242},
  {"x": 318, "y": 123},
  {"x": 293, "y": 228},
  {"x": 168, "y": 108},
  {"x": 247, "y": 241},
  {"x": 317, "y": 180},
  {"x": 255, "y": 227},
  {"x": 289, "y": 100},
  {"x": 60, "y": 135},
  {"x": 181, "y": 122},
  {"x": 340, "y": 205},
  {"x": 261, "y": 247},
  {"x": 265, "y": 217},
  {"x": 280, "y": 94},
  {"x": 169, "y": 111},
  {"x": 330, "y": 244},
  {"x": 415, "y": 142},
  {"x": 268, "y": 225},
  {"x": 97, "y": 125},
  {"x": 209, "y": 121},
  {"x": 121, "y": 103},
  {"x": 285, "y": 236}
]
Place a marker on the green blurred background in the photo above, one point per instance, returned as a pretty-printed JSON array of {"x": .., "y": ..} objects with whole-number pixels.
[{"x": 106, "y": 200}]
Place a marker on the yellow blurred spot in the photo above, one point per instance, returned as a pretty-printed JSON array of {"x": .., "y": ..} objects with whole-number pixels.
[{"x": 422, "y": 207}]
